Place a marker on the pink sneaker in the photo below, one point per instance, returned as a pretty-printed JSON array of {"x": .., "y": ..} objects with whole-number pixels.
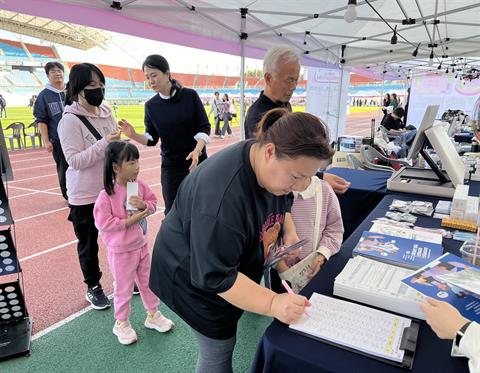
[
  {"x": 159, "y": 322},
  {"x": 124, "y": 332}
]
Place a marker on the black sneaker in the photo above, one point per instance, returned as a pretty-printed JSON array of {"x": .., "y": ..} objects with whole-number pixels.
[
  {"x": 135, "y": 289},
  {"x": 97, "y": 298}
]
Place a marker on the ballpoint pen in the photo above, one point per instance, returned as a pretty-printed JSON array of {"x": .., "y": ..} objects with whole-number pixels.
[{"x": 290, "y": 291}]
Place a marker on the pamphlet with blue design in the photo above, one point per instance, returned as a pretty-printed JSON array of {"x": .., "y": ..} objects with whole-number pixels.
[
  {"x": 402, "y": 252},
  {"x": 434, "y": 280}
]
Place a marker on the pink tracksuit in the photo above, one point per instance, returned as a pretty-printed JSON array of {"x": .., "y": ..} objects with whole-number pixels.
[{"x": 128, "y": 254}]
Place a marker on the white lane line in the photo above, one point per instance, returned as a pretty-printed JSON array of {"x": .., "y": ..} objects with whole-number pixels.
[
  {"x": 48, "y": 251},
  {"x": 159, "y": 211},
  {"x": 33, "y": 190},
  {"x": 65, "y": 321},
  {"x": 41, "y": 214}
]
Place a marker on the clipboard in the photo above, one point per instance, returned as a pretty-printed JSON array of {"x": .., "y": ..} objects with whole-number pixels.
[
  {"x": 408, "y": 345},
  {"x": 331, "y": 318}
]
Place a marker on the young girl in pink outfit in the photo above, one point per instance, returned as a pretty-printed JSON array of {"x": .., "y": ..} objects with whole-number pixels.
[{"x": 124, "y": 234}]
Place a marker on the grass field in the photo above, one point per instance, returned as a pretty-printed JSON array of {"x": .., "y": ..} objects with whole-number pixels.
[{"x": 132, "y": 113}]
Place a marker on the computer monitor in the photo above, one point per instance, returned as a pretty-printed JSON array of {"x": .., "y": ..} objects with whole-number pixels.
[
  {"x": 443, "y": 146},
  {"x": 420, "y": 138}
]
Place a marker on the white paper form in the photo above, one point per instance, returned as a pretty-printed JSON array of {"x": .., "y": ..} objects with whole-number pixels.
[
  {"x": 358, "y": 327},
  {"x": 132, "y": 190},
  {"x": 366, "y": 273}
]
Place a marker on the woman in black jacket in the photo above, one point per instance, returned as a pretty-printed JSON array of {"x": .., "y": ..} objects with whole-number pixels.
[{"x": 176, "y": 116}]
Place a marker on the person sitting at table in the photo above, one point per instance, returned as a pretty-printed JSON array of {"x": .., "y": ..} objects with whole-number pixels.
[
  {"x": 448, "y": 323},
  {"x": 317, "y": 217},
  {"x": 394, "y": 125}
]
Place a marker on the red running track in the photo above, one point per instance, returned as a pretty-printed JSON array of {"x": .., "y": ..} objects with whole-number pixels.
[{"x": 45, "y": 241}]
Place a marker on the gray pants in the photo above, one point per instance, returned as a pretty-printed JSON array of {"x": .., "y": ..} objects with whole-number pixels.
[{"x": 214, "y": 355}]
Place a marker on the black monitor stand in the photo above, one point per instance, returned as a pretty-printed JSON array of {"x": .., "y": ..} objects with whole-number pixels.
[{"x": 438, "y": 172}]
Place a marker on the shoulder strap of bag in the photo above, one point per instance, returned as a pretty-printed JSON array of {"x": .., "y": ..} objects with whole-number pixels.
[{"x": 89, "y": 125}]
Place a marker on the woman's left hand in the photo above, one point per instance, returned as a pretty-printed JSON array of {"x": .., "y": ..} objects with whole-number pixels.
[
  {"x": 194, "y": 157},
  {"x": 317, "y": 263}
]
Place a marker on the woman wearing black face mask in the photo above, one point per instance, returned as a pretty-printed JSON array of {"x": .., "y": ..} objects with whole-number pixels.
[
  {"x": 177, "y": 118},
  {"x": 85, "y": 130}
]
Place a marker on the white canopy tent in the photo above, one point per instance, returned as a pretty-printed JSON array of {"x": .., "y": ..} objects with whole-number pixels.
[{"x": 427, "y": 32}]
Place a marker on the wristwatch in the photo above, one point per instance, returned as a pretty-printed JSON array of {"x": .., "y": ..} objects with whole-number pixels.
[{"x": 460, "y": 333}]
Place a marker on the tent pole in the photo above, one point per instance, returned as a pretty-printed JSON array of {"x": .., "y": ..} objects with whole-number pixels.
[
  {"x": 243, "y": 37},
  {"x": 339, "y": 102}
]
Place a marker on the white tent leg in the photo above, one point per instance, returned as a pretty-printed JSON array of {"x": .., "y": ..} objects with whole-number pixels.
[
  {"x": 339, "y": 102},
  {"x": 243, "y": 21}
]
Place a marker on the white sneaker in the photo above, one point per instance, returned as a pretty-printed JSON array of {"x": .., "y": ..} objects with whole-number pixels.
[
  {"x": 159, "y": 322},
  {"x": 124, "y": 332}
]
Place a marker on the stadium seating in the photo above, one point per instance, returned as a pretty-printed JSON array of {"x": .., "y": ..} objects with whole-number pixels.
[
  {"x": 12, "y": 49},
  {"x": 215, "y": 81},
  {"x": 187, "y": 80},
  {"x": 40, "y": 51},
  {"x": 117, "y": 93},
  {"x": 40, "y": 74},
  {"x": 232, "y": 82},
  {"x": 117, "y": 83},
  {"x": 3, "y": 81},
  {"x": 21, "y": 78}
]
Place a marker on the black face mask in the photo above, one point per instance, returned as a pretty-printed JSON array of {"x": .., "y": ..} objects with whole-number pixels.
[{"x": 94, "y": 96}]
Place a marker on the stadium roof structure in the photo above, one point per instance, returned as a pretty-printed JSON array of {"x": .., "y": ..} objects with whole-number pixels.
[
  {"x": 76, "y": 36},
  {"x": 384, "y": 38}
]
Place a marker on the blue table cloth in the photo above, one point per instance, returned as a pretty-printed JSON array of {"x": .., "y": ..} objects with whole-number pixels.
[
  {"x": 366, "y": 190},
  {"x": 281, "y": 350},
  {"x": 463, "y": 137}
]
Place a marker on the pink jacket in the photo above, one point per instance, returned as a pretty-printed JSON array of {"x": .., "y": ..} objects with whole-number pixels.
[
  {"x": 111, "y": 215},
  {"x": 84, "y": 154}
]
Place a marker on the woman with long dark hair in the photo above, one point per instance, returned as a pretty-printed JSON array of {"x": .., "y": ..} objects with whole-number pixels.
[
  {"x": 176, "y": 117},
  {"x": 85, "y": 130}
]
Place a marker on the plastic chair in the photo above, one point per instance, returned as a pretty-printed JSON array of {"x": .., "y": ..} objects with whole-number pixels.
[
  {"x": 36, "y": 133},
  {"x": 18, "y": 131},
  {"x": 370, "y": 154}
]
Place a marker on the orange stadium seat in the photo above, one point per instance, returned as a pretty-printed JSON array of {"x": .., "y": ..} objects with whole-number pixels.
[
  {"x": 187, "y": 80},
  {"x": 232, "y": 81},
  {"x": 40, "y": 50},
  {"x": 215, "y": 81},
  {"x": 201, "y": 81}
]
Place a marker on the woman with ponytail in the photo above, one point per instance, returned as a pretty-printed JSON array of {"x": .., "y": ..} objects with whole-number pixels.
[
  {"x": 209, "y": 253},
  {"x": 85, "y": 130},
  {"x": 175, "y": 116}
]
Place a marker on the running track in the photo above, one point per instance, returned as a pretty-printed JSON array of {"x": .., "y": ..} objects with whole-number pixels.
[{"x": 46, "y": 244}]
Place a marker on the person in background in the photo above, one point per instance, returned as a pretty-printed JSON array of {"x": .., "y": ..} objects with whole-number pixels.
[
  {"x": 48, "y": 110},
  {"x": 85, "y": 130},
  {"x": 395, "y": 102},
  {"x": 448, "y": 323},
  {"x": 115, "y": 108},
  {"x": 208, "y": 256},
  {"x": 177, "y": 117},
  {"x": 3, "y": 106},
  {"x": 123, "y": 229},
  {"x": 281, "y": 71},
  {"x": 387, "y": 101},
  {"x": 215, "y": 109},
  {"x": 226, "y": 115}
]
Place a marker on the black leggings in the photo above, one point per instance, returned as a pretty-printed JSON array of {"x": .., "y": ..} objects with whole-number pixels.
[
  {"x": 87, "y": 234},
  {"x": 171, "y": 178}
]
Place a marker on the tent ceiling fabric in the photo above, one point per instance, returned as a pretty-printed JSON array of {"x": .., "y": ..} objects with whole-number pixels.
[{"x": 216, "y": 26}]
